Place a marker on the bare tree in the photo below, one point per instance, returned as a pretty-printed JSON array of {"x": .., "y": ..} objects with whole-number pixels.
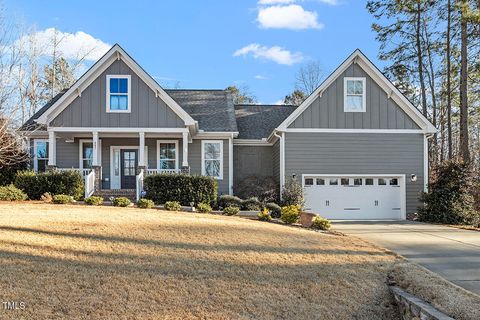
[{"x": 309, "y": 77}]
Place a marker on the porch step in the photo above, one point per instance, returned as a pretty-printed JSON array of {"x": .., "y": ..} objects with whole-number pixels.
[{"x": 116, "y": 193}]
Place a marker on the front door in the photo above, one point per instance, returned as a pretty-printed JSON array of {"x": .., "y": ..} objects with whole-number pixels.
[{"x": 129, "y": 163}]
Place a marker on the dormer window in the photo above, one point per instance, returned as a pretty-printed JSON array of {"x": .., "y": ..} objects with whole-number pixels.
[
  {"x": 354, "y": 95},
  {"x": 118, "y": 93}
]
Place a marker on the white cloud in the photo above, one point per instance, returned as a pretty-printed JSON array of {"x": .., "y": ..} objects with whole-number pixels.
[
  {"x": 260, "y": 77},
  {"x": 270, "y": 2},
  {"x": 292, "y": 17},
  {"x": 71, "y": 45},
  {"x": 275, "y": 53}
]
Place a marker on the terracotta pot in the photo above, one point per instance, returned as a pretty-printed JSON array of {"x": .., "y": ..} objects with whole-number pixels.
[{"x": 306, "y": 219}]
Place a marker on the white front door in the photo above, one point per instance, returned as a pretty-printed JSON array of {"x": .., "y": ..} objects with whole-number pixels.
[{"x": 354, "y": 197}]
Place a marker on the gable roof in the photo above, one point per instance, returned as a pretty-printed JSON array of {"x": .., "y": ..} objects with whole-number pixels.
[
  {"x": 256, "y": 121},
  {"x": 393, "y": 93},
  {"x": 116, "y": 52},
  {"x": 31, "y": 124}
]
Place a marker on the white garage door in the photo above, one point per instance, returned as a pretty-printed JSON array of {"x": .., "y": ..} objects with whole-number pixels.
[{"x": 344, "y": 197}]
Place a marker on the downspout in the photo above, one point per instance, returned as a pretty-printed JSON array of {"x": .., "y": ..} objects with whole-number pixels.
[{"x": 282, "y": 159}]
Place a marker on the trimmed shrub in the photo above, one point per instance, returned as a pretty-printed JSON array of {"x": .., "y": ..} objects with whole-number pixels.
[
  {"x": 275, "y": 210},
  {"x": 182, "y": 188},
  {"x": 94, "y": 201},
  {"x": 226, "y": 200},
  {"x": 46, "y": 197},
  {"x": 292, "y": 194},
  {"x": 204, "y": 208},
  {"x": 121, "y": 202},
  {"x": 11, "y": 193},
  {"x": 264, "y": 215},
  {"x": 173, "y": 206},
  {"x": 290, "y": 214},
  {"x": 231, "y": 211},
  {"x": 450, "y": 197},
  {"x": 8, "y": 172},
  {"x": 62, "y": 199},
  {"x": 321, "y": 223},
  {"x": 263, "y": 188},
  {"x": 53, "y": 182},
  {"x": 251, "y": 204},
  {"x": 145, "y": 203}
]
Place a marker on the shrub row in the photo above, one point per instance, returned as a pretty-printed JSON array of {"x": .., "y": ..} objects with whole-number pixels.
[
  {"x": 54, "y": 182},
  {"x": 251, "y": 204},
  {"x": 182, "y": 188},
  {"x": 11, "y": 193}
]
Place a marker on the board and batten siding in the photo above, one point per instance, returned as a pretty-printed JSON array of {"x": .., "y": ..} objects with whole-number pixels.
[
  {"x": 251, "y": 161},
  {"x": 195, "y": 162},
  {"x": 327, "y": 111},
  {"x": 89, "y": 109},
  {"x": 365, "y": 153},
  {"x": 276, "y": 161}
]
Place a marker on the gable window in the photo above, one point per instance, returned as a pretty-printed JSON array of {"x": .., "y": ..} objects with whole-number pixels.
[
  {"x": 86, "y": 154},
  {"x": 212, "y": 158},
  {"x": 167, "y": 155},
  {"x": 118, "y": 93},
  {"x": 40, "y": 155},
  {"x": 354, "y": 95}
]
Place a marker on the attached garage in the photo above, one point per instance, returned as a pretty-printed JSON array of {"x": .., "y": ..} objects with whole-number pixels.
[{"x": 377, "y": 197}]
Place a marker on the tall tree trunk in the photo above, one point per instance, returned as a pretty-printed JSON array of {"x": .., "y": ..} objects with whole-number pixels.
[
  {"x": 420, "y": 57},
  {"x": 449, "y": 82},
  {"x": 464, "y": 150}
]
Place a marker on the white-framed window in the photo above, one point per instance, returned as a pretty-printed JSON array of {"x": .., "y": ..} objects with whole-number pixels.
[
  {"x": 167, "y": 154},
  {"x": 118, "y": 93},
  {"x": 354, "y": 95},
  {"x": 86, "y": 154},
  {"x": 212, "y": 158},
  {"x": 40, "y": 155}
]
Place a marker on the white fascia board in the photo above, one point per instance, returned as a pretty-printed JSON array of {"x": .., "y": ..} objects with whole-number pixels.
[
  {"x": 215, "y": 134},
  {"x": 117, "y": 130},
  {"x": 251, "y": 142},
  {"x": 328, "y": 130}
]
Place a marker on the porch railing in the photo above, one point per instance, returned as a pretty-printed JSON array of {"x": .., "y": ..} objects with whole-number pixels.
[
  {"x": 139, "y": 185},
  {"x": 164, "y": 171},
  {"x": 83, "y": 172},
  {"x": 90, "y": 184}
]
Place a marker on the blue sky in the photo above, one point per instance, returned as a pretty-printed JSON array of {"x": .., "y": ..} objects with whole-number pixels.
[{"x": 194, "y": 42}]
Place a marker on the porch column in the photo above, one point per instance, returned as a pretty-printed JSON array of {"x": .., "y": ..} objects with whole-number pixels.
[
  {"x": 96, "y": 166},
  {"x": 185, "y": 150},
  {"x": 52, "y": 149},
  {"x": 95, "y": 149},
  {"x": 141, "y": 150}
]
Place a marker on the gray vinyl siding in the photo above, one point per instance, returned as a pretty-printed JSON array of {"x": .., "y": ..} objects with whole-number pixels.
[
  {"x": 276, "y": 161},
  {"x": 327, "y": 153},
  {"x": 327, "y": 111},
  {"x": 89, "y": 110},
  {"x": 195, "y": 162},
  {"x": 252, "y": 161}
]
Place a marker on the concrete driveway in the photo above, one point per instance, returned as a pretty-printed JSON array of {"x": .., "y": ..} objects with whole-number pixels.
[{"x": 453, "y": 253}]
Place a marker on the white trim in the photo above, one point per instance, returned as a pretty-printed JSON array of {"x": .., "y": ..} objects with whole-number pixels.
[
  {"x": 35, "y": 159},
  {"x": 425, "y": 163},
  {"x": 401, "y": 177},
  {"x": 215, "y": 135},
  {"x": 157, "y": 165},
  {"x": 220, "y": 177},
  {"x": 52, "y": 149},
  {"x": 108, "y": 93},
  {"x": 95, "y": 148},
  {"x": 141, "y": 149},
  {"x": 358, "y": 57},
  {"x": 230, "y": 166},
  {"x": 282, "y": 161},
  {"x": 117, "y": 129},
  {"x": 185, "y": 149},
  {"x": 364, "y": 93},
  {"x": 80, "y": 151},
  {"x": 116, "y": 52},
  {"x": 112, "y": 148},
  {"x": 327, "y": 130},
  {"x": 251, "y": 142}
]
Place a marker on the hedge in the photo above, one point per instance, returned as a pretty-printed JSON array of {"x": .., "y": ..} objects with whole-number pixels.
[
  {"x": 11, "y": 193},
  {"x": 182, "y": 188},
  {"x": 54, "y": 182}
]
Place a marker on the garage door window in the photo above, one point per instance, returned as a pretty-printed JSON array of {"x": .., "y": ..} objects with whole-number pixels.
[
  {"x": 309, "y": 181},
  {"x": 344, "y": 181},
  {"x": 369, "y": 182},
  {"x": 357, "y": 182},
  {"x": 394, "y": 182},
  {"x": 334, "y": 182},
  {"x": 382, "y": 182},
  {"x": 320, "y": 182}
]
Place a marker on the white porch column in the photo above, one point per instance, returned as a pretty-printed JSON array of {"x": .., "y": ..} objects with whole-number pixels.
[
  {"x": 141, "y": 151},
  {"x": 52, "y": 149},
  {"x": 185, "y": 149},
  {"x": 230, "y": 165},
  {"x": 95, "y": 149}
]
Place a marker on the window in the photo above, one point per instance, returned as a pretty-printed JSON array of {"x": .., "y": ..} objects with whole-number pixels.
[
  {"x": 394, "y": 182},
  {"x": 118, "y": 93},
  {"x": 334, "y": 182},
  {"x": 40, "y": 155},
  {"x": 320, "y": 182},
  {"x": 86, "y": 154},
  {"x": 357, "y": 181},
  {"x": 309, "y": 181},
  {"x": 167, "y": 154},
  {"x": 369, "y": 182},
  {"x": 354, "y": 95},
  {"x": 382, "y": 182},
  {"x": 212, "y": 158},
  {"x": 344, "y": 181}
]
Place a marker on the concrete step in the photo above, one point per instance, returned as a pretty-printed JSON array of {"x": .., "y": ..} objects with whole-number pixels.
[{"x": 116, "y": 193}]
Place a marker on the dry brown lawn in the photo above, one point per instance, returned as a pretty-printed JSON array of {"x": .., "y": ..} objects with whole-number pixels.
[{"x": 76, "y": 262}]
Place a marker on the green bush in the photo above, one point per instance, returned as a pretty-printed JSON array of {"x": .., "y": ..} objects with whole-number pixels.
[
  {"x": 121, "y": 202},
  {"x": 145, "y": 203},
  {"x": 251, "y": 204},
  {"x": 292, "y": 194},
  {"x": 53, "y": 182},
  {"x": 62, "y": 199},
  {"x": 231, "y": 211},
  {"x": 182, "y": 188},
  {"x": 94, "y": 201},
  {"x": 320, "y": 223},
  {"x": 263, "y": 188},
  {"x": 275, "y": 210},
  {"x": 8, "y": 172},
  {"x": 450, "y": 197},
  {"x": 204, "y": 208},
  {"x": 226, "y": 200},
  {"x": 173, "y": 206},
  {"x": 264, "y": 215},
  {"x": 11, "y": 193},
  {"x": 290, "y": 214}
]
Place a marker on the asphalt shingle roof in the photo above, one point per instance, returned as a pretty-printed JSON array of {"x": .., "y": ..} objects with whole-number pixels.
[
  {"x": 30, "y": 124},
  {"x": 258, "y": 121}
]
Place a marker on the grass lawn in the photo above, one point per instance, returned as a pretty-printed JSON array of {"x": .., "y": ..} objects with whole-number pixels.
[{"x": 123, "y": 263}]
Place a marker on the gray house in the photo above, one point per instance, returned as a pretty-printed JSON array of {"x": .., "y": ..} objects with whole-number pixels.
[{"x": 357, "y": 145}]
